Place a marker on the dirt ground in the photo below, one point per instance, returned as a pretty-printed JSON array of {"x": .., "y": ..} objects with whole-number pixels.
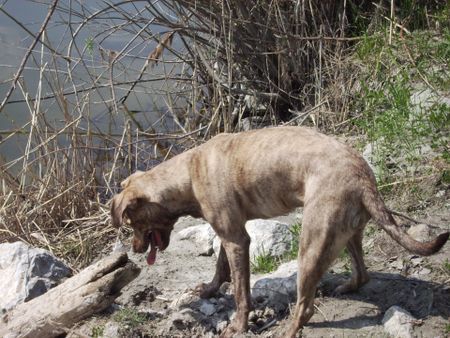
[{"x": 417, "y": 284}]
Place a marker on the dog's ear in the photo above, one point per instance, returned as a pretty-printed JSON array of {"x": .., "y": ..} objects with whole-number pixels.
[
  {"x": 120, "y": 202},
  {"x": 126, "y": 182}
]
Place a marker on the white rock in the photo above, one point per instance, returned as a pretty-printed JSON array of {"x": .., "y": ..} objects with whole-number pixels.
[
  {"x": 420, "y": 232},
  {"x": 422, "y": 99},
  {"x": 286, "y": 269},
  {"x": 26, "y": 273},
  {"x": 398, "y": 322},
  {"x": 440, "y": 193},
  {"x": 368, "y": 154},
  {"x": 112, "y": 330},
  {"x": 424, "y": 271},
  {"x": 183, "y": 300},
  {"x": 267, "y": 237},
  {"x": 119, "y": 246},
  {"x": 203, "y": 234},
  {"x": 221, "y": 326}
]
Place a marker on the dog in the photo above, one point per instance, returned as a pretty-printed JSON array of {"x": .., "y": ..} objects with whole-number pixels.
[{"x": 264, "y": 173}]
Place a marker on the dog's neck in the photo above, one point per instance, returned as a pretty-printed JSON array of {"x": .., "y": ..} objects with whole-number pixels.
[{"x": 174, "y": 192}]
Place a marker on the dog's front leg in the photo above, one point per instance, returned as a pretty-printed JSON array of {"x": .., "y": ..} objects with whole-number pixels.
[
  {"x": 222, "y": 275},
  {"x": 237, "y": 250}
]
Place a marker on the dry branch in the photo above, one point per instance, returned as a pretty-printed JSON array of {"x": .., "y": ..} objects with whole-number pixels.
[{"x": 53, "y": 313}]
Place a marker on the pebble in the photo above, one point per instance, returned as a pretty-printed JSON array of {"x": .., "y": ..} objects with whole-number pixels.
[{"x": 207, "y": 308}]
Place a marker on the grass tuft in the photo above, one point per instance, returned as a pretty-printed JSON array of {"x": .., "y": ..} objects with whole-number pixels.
[
  {"x": 265, "y": 263},
  {"x": 130, "y": 318}
]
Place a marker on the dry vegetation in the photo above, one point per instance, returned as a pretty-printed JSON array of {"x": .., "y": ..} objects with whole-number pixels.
[{"x": 129, "y": 84}]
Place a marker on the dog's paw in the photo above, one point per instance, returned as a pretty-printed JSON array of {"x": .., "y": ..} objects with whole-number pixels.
[
  {"x": 206, "y": 290},
  {"x": 349, "y": 286}
]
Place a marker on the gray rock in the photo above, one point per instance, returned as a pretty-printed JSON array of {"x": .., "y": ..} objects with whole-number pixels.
[
  {"x": 27, "y": 273},
  {"x": 119, "y": 246},
  {"x": 180, "y": 320},
  {"x": 423, "y": 99},
  {"x": 275, "y": 291},
  {"x": 398, "y": 322},
  {"x": 203, "y": 234},
  {"x": 207, "y": 308},
  {"x": 112, "y": 330},
  {"x": 267, "y": 237},
  {"x": 279, "y": 288},
  {"x": 369, "y": 156}
]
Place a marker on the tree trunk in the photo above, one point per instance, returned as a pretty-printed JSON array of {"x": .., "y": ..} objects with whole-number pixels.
[{"x": 88, "y": 292}]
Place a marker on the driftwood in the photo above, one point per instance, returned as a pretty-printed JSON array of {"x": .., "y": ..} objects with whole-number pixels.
[{"x": 88, "y": 292}]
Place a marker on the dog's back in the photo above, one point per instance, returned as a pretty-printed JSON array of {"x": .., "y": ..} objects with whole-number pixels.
[{"x": 269, "y": 172}]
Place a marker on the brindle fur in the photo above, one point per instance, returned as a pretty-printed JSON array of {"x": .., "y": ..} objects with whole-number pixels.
[{"x": 261, "y": 174}]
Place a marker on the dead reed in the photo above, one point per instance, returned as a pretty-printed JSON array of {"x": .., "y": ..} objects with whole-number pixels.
[{"x": 128, "y": 85}]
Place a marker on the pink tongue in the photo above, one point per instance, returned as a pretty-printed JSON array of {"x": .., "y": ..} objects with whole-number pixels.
[
  {"x": 155, "y": 243},
  {"x": 151, "y": 257}
]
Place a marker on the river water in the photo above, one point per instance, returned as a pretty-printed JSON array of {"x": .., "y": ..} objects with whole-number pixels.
[{"x": 94, "y": 108}]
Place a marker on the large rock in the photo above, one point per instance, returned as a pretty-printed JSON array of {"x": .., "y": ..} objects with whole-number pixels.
[
  {"x": 267, "y": 237},
  {"x": 203, "y": 234},
  {"x": 398, "y": 322},
  {"x": 26, "y": 273},
  {"x": 277, "y": 289}
]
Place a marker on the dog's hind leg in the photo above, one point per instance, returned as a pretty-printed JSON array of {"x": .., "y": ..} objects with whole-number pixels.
[
  {"x": 320, "y": 244},
  {"x": 359, "y": 272},
  {"x": 222, "y": 274}
]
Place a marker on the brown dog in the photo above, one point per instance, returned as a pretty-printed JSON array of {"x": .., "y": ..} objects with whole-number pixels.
[{"x": 261, "y": 174}]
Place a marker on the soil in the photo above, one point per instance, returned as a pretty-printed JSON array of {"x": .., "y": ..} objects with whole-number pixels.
[{"x": 420, "y": 285}]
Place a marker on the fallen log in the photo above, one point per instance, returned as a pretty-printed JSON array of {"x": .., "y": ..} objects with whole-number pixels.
[{"x": 88, "y": 292}]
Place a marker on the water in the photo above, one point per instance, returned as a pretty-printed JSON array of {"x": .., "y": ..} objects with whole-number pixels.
[{"x": 94, "y": 108}]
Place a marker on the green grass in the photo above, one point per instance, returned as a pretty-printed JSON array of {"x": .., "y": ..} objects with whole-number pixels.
[
  {"x": 295, "y": 230},
  {"x": 394, "y": 122},
  {"x": 345, "y": 257},
  {"x": 130, "y": 317},
  {"x": 89, "y": 43},
  {"x": 447, "y": 328},
  {"x": 265, "y": 263},
  {"x": 445, "y": 178},
  {"x": 97, "y": 331},
  {"x": 446, "y": 266}
]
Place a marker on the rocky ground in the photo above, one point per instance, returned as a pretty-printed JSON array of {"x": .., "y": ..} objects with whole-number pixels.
[{"x": 160, "y": 302}]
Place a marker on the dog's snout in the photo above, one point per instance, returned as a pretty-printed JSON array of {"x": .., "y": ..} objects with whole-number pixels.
[{"x": 138, "y": 245}]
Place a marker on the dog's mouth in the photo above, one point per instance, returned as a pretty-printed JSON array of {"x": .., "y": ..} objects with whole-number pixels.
[
  {"x": 158, "y": 241},
  {"x": 155, "y": 245}
]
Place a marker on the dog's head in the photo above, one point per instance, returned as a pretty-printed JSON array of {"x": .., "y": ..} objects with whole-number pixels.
[{"x": 151, "y": 222}]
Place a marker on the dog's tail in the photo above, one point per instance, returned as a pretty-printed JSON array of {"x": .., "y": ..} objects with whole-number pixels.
[{"x": 382, "y": 216}]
